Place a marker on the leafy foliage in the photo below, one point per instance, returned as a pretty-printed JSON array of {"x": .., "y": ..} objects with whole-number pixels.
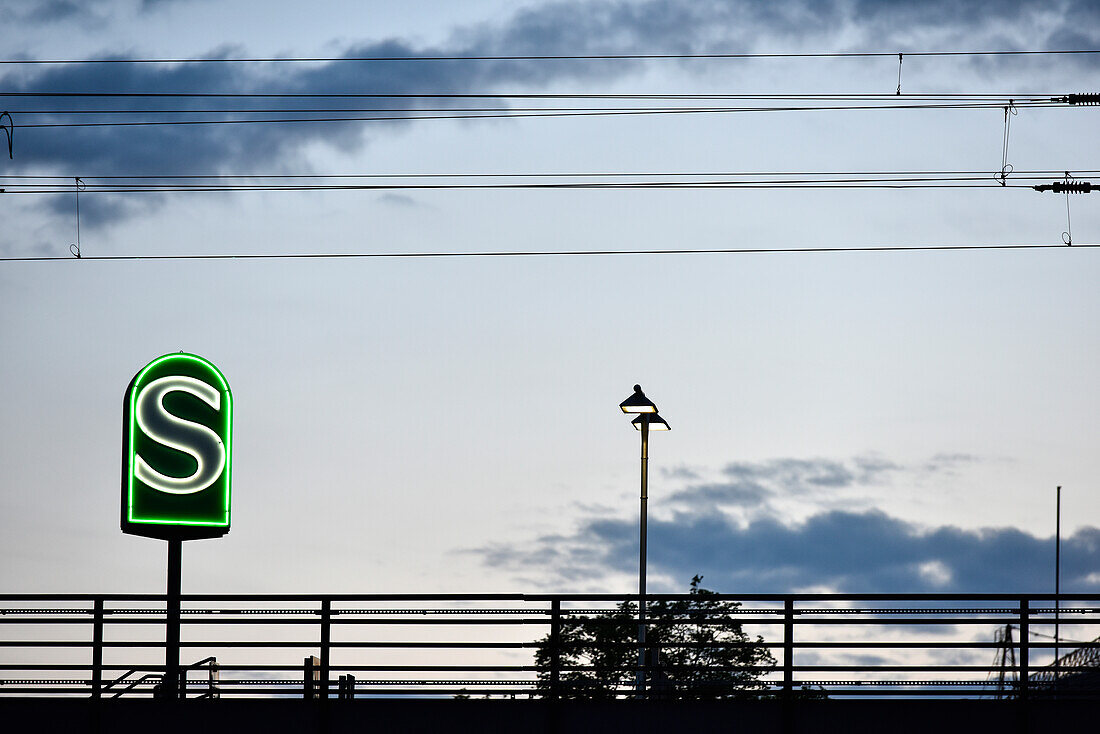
[{"x": 703, "y": 652}]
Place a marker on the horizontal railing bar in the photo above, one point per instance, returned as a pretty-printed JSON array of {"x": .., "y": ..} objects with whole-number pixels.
[
  {"x": 931, "y": 624},
  {"x": 262, "y": 644},
  {"x": 296, "y": 692},
  {"x": 1063, "y": 669},
  {"x": 654, "y": 621},
  {"x": 772, "y": 616},
  {"x": 819, "y": 597},
  {"x": 800, "y": 644},
  {"x": 778, "y": 598},
  {"x": 476, "y": 681},
  {"x": 82, "y": 614},
  {"x": 916, "y": 668}
]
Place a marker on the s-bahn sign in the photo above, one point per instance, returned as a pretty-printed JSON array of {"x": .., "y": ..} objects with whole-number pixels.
[{"x": 177, "y": 450}]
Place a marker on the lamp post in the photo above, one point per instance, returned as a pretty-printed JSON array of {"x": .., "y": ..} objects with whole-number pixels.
[{"x": 647, "y": 420}]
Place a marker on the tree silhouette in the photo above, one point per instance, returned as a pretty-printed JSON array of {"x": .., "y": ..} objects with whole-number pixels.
[{"x": 702, "y": 652}]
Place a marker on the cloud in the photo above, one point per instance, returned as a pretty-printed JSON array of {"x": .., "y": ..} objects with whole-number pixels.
[
  {"x": 742, "y": 494},
  {"x": 802, "y": 475},
  {"x": 97, "y": 12},
  {"x": 754, "y": 484},
  {"x": 846, "y": 551},
  {"x": 54, "y": 11},
  {"x": 398, "y": 200},
  {"x": 679, "y": 472},
  {"x": 151, "y": 5},
  {"x": 843, "y": 551}
]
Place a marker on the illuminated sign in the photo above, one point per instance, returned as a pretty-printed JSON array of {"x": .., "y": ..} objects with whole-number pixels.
[{"x": 177, "y": 450}]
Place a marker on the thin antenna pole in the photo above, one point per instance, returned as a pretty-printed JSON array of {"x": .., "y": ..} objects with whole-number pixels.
[
  {"x": 641, "y": 677},
  {"x": 1057, "y": 572}
]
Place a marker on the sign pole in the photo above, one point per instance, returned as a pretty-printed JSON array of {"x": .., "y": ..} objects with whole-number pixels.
[{"x": 172, "y": 683}]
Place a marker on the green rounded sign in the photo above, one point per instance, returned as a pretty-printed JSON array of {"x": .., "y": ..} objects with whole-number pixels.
[{"x": 177, "y": 450}]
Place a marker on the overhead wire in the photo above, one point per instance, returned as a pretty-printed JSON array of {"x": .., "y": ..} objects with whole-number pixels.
[
  {"x": 643, "y": 105},
  {"x": 850, "y": 96},
  {"x": 415, "y": 115},
  {"x": 554, "y": 57},
  {"x": 122, "y": 184},
  {"x": 987, "y": 181},
  {"x": 1038, "y": 173},
  {"x": 548, "y": 253},
  {"x": 945, "y": 102},
  {"x": 1002, "y": 98}
]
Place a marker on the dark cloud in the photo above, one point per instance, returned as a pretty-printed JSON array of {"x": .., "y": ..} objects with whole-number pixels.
[
  {"x": 844, "y": 551},
  {"x": 848, "y": 551},
  {"x": 892, "y": 16},
  {"x": 742, "y": 494},
  {"x": 803, "y": 475},
  {"x": 98, "y": 12},
  {"x": 49, "y": 12},
  {"x": 54, "y": 10},
  {"x": 150, "y": 5}
]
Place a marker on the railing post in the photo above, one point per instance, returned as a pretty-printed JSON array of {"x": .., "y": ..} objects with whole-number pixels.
[
  {"x": 555, "y": 649},
  {"x": 212, "y": 680},
  {"x": 310, "y": 669},
  {"x": 326, "y": 632},
  {"x": 346, "y": 687},
  {"x": 788, "y": 647},
  {"x": 1025, "y": 614},
  {"x": 97, "y": 647}
]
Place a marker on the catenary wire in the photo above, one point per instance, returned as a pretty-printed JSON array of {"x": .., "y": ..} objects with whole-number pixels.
[
  {"x": 414, "y": 116},
  {"x": 119, "y": 184},
  {"x": 660, "y": 185},
  {"x": 558, "y": 57},
  {"x": 1033, "y": 96},
  {"x": 550, "y": 253},
  {"x": 1037, "y": 173},
  {"x": 939, "y": 102},
  {"x": 857, "y": 97}
]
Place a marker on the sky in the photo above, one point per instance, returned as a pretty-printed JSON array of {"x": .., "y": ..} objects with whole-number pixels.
[{"x": 841, "y": 421}]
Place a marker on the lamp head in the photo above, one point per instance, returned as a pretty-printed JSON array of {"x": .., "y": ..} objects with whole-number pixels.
[
  {"x": 656, "y": 422},
  {"x": 638, "y": 403}
]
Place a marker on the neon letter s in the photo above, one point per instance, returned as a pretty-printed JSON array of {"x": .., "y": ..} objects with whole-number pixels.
[{"x": 193, "y": 439}]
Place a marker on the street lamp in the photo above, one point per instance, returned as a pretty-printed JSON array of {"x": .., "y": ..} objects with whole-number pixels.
[{"x": 647, "y": 420}]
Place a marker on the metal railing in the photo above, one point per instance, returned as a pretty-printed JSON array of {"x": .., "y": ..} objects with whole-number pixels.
[{"x": 467, "y": 645}]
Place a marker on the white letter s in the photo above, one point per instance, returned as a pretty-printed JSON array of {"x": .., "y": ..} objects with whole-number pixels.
[{"x": 193, "y": 439}]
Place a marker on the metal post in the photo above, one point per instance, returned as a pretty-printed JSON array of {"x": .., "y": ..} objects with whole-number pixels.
[
  {"x": 1057, "y": 577},
  {"x": 97, "y": 647},
  {"x": 641, "y": 692},
  {"x": 555, "y": 649},
  {"x": 788, "y": 647},
  {"x": 212, "y": 680},
  {"x": 1025, "y": 614},
  {"x": 171, "y": 680},
  {"x": 326, "y": 629},
  {"x": 311, "y": 668},
  {"x": 346, "y": 688}
]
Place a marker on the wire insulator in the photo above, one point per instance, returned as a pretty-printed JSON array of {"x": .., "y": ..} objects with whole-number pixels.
[
  {"x": 1090, "y": 98},
  {"x": 1068, "y": 187},
  {"x": 1072, "y": 187}
]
